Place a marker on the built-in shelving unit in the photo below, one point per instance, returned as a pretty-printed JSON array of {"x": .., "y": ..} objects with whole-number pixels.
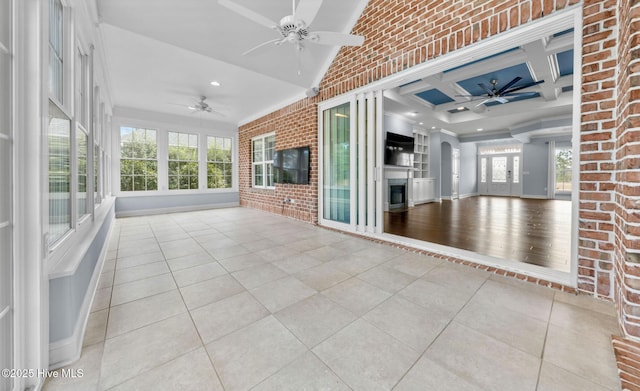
[
  {"x": 423, "y": 185},
  {"x": 421, "y": 155}
]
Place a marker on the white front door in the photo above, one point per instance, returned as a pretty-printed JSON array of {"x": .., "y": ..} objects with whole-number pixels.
[{"x": 500, "y": 175}]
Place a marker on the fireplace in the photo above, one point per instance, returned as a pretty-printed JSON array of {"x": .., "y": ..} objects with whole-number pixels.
[{"x": 397, "y": 194}]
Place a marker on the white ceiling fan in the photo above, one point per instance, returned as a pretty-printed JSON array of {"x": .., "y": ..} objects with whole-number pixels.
[
  {"x": 294, "y": 28},
  {"x": 203, "y": 106}
]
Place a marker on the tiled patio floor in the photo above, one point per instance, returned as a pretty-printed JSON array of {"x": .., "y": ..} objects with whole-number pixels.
[{"x": 238, "y": 299}]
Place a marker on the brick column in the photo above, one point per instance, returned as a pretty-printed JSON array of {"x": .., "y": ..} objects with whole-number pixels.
[
  {"x": 596, "y": 216},
  {"x": 627, "y": 227}
]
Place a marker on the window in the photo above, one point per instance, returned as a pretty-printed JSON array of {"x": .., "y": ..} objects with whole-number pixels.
[
  {"x": 56, "y": 50},
  {"x": 59, "y": 143},
  {"x": 516, "y": 169},
  {"x": 564, "y": 161},
  {"x": 96, "y": 174},
  {"x": 483, "y": 170},
  {"x": 219, "y": 165},
  {"x": 500, "y": 149},
  {"x": 499, "y": 169},
  {"x": 82, "y": 154},
  {"x": 82, "y": 91},
  {"x": 138, "y": 159},
  {"x": 183, "y": 161},
  {"x": 262, "y": 149}
]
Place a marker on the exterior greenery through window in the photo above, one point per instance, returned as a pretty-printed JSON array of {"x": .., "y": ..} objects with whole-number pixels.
[
  {"x": 183, "y": 161},
  {"x": 219, "y": 165},
  {"x": 262, "y": 149},
  {"x": 564, "y": 160},
  {"x": 138, "y": 159},
  {"x": 82, "y": 151},
  {"x": 59, "y": 142}
]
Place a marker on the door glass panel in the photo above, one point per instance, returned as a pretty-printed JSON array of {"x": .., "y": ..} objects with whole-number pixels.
[
  {"x": 483, "y": 170},
  {"x": 499, "y": 169},
  {"x": 516, "y": 169},
  {"x": 337, "y": 164}
]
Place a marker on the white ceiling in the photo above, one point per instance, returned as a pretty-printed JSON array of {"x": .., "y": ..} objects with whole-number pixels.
[{"x": 163, "y": 54}]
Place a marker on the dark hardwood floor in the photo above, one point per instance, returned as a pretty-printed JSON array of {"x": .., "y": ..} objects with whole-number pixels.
[{"x": 526, "y": 230}]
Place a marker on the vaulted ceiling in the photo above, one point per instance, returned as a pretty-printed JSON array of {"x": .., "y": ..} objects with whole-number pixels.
[{"x": 162, "y": 55}]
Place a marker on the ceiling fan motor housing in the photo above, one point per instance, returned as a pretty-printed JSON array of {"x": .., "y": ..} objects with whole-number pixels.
[{"x": 293, "y": 29}]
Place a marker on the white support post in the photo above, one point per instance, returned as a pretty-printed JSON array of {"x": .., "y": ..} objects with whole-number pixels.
[
  {"x": 372, "y": 97},
  {"x": 362, "y": 163}
]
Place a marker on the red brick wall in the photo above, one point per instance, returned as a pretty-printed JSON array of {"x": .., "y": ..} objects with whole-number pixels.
[
  {"x": 597, "y": 203},
  {"x": 402, "y": 33},
  {"x": 627, "y": 191},
  {"x": 295, "y": 126}
]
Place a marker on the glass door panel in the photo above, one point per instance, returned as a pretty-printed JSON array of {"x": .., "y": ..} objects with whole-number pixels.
[{"x": 337, "y": 164}]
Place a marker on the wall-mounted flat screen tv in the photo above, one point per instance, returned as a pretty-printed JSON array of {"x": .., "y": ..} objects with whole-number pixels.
[
  {"x": 291, "y": 166},
  {"x": 398, "y": 150}
]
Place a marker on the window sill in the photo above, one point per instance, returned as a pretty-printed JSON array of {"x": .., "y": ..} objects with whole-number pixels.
[
  {"x": 79, "y": 242},
  {"x": 133, "y": 194}
]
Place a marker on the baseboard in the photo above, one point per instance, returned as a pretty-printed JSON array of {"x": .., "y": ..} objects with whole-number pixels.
[
  {"x": 468, "y": 195},
  {"x": 176, "y": 209},
  {"x": 68, "y": 350},
  {"x": 535, "y": 197}
]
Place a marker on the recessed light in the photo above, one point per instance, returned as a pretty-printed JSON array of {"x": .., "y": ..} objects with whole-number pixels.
[
  {"x": 460, "y": 108},
  {"x": 479, "y": 129},
  {"x": 215, "y": 83},
  {"x": 420, "y": 123},
  {"x": 412, "y": 113},
  {"x": 433, "y": 127}
]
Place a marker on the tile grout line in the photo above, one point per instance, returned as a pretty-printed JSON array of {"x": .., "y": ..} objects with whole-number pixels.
[{"x": 440, "y": 333}]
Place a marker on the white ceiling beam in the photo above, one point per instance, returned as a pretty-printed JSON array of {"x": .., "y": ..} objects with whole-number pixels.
[
  {"x": 542, "y": 67},
  {"x": 559, "y": 44}
]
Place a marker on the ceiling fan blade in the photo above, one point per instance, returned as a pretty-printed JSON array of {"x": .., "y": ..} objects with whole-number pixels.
[
  {"x": 514, "y": 94},
  {"x": 249, "y": 14},
  {"x": 509, "y": 84},
  {"x": 501, "y": 99},
  {"x": 273, "y": 41},
  {"x": 483, "y": 102},
  {"x": 471, "y": 98},
  {"x": 307, "y": 10},
  {"x": 535, "y": 83},
  {"x": 486, "y": 89},
  {"x": 335, "y": 39}
]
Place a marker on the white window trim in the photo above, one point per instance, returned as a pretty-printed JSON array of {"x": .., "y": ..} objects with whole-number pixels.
[
  {"x": 204, "y": 161},
  {"x": 263, "y": 163},
  {"x": 163, "y": 164}
]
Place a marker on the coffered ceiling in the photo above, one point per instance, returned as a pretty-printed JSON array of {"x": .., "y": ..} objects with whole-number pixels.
[{"x": 540, "y": 74}]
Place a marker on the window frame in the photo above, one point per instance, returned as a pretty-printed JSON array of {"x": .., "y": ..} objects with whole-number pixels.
[
  {"x": 263, "y": 163},
  {"x": 120, "y": 159},
  {"x": 163, "y": 165},
  {"x": 179, "y": 161},
  {"x": 208, "y": 161}
]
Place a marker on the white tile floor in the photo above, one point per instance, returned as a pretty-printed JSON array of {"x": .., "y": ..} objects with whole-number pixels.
[{"x": 238, "y": 299}]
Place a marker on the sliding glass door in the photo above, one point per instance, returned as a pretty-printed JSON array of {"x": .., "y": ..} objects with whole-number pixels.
[
  {"x": 337, "y": 164},
  {"x": 350, "y": 158}
]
